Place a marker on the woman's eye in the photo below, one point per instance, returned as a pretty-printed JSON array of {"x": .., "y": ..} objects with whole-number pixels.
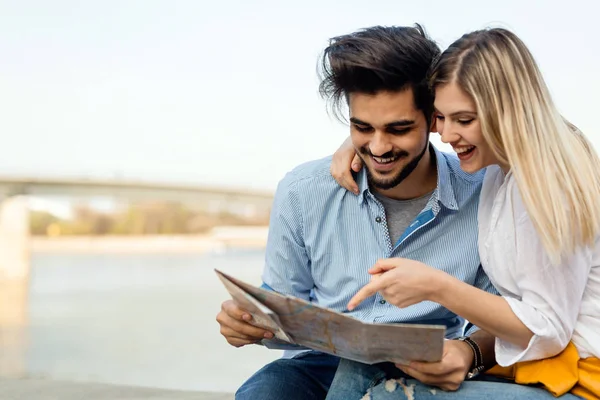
[{"x": 465, "y": 121}]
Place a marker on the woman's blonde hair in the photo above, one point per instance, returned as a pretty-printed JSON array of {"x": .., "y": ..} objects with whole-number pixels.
[{"x": 555, "y": 167}]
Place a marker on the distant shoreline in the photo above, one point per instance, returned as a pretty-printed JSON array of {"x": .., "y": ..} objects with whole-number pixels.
[{"x": 218, "y": 241}]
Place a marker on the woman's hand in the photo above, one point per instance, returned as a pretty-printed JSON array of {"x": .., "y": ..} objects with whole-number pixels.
[
  {"x": 345, "y": 160},
  {"x": 401, "y": 282}
]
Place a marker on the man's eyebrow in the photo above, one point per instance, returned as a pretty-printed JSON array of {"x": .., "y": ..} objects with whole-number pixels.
[
  {"x": 393, "y": 124},
  {"x": 400, "y": 123}
]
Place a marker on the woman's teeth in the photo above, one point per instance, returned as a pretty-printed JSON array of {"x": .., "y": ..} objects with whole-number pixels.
[{"x": 465, "y": 149}]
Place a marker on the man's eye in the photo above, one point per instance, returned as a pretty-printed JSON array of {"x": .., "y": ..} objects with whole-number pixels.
[
  {"x": 362, "y": 129},
  {"x": 399, "y": 131}
]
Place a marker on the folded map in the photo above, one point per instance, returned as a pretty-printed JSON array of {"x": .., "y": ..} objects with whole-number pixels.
[{"x": 297, "y": 323}]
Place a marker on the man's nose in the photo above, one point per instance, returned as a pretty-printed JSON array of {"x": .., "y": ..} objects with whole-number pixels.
[{"x": 380, "y": 144}]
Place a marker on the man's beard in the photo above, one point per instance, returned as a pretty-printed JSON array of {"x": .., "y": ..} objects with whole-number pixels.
[{"x": 389, "y": 183}]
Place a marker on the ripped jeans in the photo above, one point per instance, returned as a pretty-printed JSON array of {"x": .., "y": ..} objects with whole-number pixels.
[{"x": 357, "y": 381}]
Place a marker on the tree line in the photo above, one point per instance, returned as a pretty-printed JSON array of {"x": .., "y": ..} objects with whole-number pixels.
[{"x": 137, "y": 219}]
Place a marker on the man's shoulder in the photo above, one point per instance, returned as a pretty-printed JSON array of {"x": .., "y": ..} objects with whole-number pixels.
[
  {"x": 310, "y": 189},
  {"x": 457, "y": 174},
  {"x": 465, "y": 187},
  {"x": 312, "y": 174}
]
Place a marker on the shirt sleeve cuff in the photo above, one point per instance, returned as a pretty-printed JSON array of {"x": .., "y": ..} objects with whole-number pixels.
[
  {"x": 543, "y": 344},
  {"x": 471, "y": 329}
]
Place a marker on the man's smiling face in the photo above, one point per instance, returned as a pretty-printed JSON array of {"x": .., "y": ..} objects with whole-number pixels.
[{"x": 390, "y": 135}]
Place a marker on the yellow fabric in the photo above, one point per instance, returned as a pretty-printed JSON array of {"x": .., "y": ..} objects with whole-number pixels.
[
  {"x": 589, "y": 379},
  {"x": 561, "y": 374}
]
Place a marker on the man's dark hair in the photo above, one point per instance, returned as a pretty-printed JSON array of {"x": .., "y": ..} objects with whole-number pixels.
[{"x": 379, "y": 59}]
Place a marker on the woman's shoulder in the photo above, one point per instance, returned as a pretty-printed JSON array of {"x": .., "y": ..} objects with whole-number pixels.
[
  {"x": 492, "y": 173},
  {"x": 492, "y": 183},
  {"x": 500, "y": 191}
]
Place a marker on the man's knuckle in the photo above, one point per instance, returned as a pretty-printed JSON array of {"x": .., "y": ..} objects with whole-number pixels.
[
  {"x": 222, "y": 317},
  {"x": 228, "y": 308},
  {"x": 228, "y": 333}
]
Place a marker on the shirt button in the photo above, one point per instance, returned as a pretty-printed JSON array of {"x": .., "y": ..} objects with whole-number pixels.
[
  {"x": 381, "y": 301},
  {"x": 378, "y": 219}
]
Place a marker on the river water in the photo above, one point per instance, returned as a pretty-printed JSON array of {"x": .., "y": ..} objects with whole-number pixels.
[{"x": 135, "y": 319}]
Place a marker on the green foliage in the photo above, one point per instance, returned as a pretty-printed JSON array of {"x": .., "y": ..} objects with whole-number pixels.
[{"x": 137, "y": 219}]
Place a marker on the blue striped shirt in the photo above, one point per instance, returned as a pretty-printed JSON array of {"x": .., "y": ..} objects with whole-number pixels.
[{"x": 323, "y": 239}]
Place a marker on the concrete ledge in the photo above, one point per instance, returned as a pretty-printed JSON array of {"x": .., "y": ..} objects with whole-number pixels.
[{"x": 36, "y": 389}]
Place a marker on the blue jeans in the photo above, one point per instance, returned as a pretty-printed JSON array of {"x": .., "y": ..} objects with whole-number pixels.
[
  {"x": 385, "y": 382},
  {"x": 304, "y": 377}
]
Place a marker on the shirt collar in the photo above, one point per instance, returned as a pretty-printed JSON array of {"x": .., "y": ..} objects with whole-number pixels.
[{"x": 443, "y": 193}]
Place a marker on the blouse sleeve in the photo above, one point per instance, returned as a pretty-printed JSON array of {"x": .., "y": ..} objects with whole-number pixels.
[{"x": 551, "y": 296}]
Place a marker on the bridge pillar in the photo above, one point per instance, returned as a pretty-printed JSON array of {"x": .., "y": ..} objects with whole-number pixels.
[
  {"x": 14, "y": 282},
  {"x": 14, "y": 239}
]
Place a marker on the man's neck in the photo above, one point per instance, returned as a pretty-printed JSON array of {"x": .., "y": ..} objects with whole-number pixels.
[{"x": 421, "y": 181}]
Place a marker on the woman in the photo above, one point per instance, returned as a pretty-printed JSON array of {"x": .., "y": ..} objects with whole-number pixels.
[{"x": 539, "y": 225}]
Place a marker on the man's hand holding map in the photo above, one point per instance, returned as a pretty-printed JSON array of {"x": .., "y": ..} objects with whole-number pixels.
[{"x": 297, "y": 323}]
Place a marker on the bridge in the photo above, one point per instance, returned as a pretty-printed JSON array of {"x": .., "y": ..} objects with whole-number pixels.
[{"x": 14, "y": 212}]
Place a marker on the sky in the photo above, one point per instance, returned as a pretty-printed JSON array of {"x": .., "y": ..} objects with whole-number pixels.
[{"x": 225, "y": 92}]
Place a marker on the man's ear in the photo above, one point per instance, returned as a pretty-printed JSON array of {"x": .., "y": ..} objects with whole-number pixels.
[{"x": 433, "y": 125}]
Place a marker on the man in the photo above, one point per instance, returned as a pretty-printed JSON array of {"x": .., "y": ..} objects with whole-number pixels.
[{"x": 413, "y": 202}]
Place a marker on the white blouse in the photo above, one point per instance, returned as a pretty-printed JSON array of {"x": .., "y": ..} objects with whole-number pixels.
[{"x": 558, "y": 303}]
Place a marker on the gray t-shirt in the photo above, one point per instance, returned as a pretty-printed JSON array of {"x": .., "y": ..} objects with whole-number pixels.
[{"x": 401, "y": 213}]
